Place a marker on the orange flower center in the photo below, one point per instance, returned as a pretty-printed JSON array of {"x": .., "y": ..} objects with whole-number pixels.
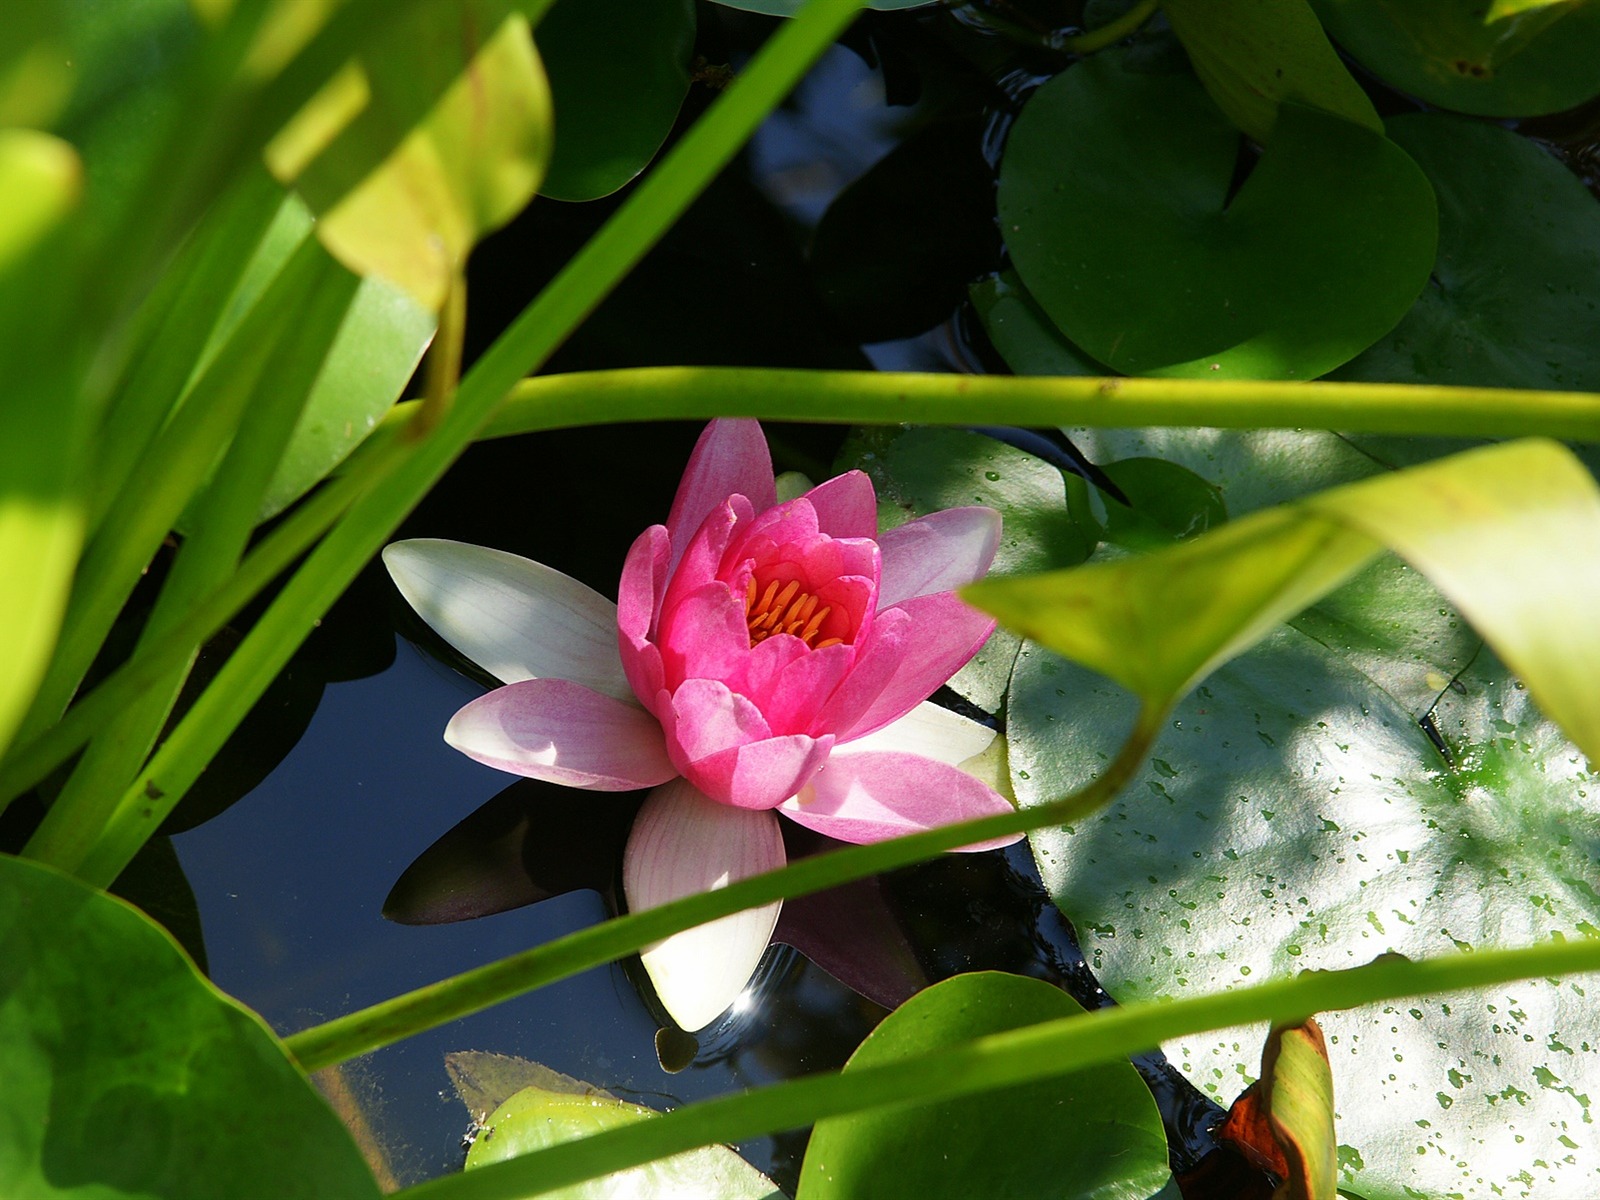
[{"x": 784, "y": 608}]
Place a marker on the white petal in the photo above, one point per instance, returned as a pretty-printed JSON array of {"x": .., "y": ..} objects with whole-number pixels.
[
  {"x": 929, "y": 731},
  {"x": 515, "y": 618},
  {"x": 683, "y": 843}
]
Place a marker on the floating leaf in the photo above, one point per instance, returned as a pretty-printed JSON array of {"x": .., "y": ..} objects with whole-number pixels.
[
  {"x": 1457, "y": 54},
  {"x": 536, "y": 1118},
  {"x": 1022, "y": 333},
  {"x": 1295, "y": 815},
  {"x": 127, "y": 1075},
  {"x": 440, "y": 136},
  {"x": 1114, "y": 198},
  {"x": 1091, "y": 1135},
  {"x": 619, "y": 71},
  {"x": 1252, "y": 57},
  {"x": 1512, "y": 300}
]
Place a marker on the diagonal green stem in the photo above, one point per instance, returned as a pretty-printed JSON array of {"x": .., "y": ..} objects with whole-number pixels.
[
  {"x": 1001, "y": 1060},
  {"x": 392, "y": 1020}
]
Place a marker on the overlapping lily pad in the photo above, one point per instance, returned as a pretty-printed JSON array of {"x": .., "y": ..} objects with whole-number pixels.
[
  {"x": 1467, "y": 56},
  {"x": 1115, "y": 202},
  {"x": 1294, "y": 815},
  {"x": 1513, "y": 299},
  {"x": 127, "y": 1075},
  {"x": 1092, "y": 1135}
]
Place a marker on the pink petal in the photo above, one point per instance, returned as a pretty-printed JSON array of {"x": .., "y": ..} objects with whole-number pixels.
[
  {"x": 515, "y": 618},
  {"x": 872, "y": 796},
  {"x": 937, "y": 553},
  {"x": 683, "y": 843},
  {"x": 798, "y": 699},
  {"x": 731, "y": 458},
  {"x": 705, "y": 716},
  {"x": 701, "y": 560},
  {"x": 929, "y": 731},
  {"x": 644, "y": 579},
  {"x": 878, "y": 659},
  {"x": 706, "y": 637},
  {"x": 846, "y": 506},
  {"x": 946, "y": 633},
  {"x": 761, "y": 774},
  {"x": 561, "y": 731}
]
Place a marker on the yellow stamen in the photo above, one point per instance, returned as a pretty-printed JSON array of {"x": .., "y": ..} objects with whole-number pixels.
[{"x": 784, "y": 608}]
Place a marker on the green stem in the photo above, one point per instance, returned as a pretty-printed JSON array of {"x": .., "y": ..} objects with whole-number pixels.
[
  {"x": 530, "y": 340},
  {"x": 443, "y": 369},
  {"x": 1001, "y": 1060},
  {"x": 31, "y": 762},
  {"x": 1112, "y": 32},
  {"x": 401, "y": 1017},
  {"x": 866, "y": 397}
]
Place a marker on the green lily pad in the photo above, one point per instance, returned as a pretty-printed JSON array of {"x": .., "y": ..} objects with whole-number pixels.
[
  {"x": 1091, "y": 1135},
  {"x": 619, "y": 71},
  {"x": 1114, "y": 202},
  {"x": 535, "y": 1118},
  {"x": 1295, "y": 815},
  {"x": 1513, "y": 297},
  {"x": 1450, "y": 53},
  {"x": 127, "y": 1075},
  {"x": 919, "y": 471},
  {"x": 1252, "y": 57},
  {"x": 1022, "y": 333}
]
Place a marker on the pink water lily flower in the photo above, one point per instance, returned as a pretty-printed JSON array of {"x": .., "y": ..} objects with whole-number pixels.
[{"x": 761, "y": 658}]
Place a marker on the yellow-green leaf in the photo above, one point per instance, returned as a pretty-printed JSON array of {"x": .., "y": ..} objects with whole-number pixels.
[
  {"x": 1253, "y": 56},
  {"x": 439, "y": 137},
  {"x": 40, "y": 178},
  {"x": 1510, "y": 534}
]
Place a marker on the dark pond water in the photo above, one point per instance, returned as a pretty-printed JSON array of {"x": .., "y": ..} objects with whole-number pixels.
[{"x": 290, "y": 880}]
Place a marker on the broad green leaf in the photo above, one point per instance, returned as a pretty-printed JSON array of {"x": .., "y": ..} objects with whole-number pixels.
[
  {"x": 1022, "y": 333},
  {"x": 41, "y": 178},
  {"x": 128, "y": 1075},
  {"x": 619, "y": 70},
  {"x": 1091, "y": 1135},
  {"x": 1318, "y": 255},
  {"x": 1252, "y": 57},
  {"x": 440, "y": 136},
  {"x": 1510, "y": 534},
  {"x": 920, "y": 471},
  {"x": 535, "y": 1118},
  {"x": 1512, "y": 300},
  {"x": 35, "y": 74},
  {"x": 1458, "y": 55}
]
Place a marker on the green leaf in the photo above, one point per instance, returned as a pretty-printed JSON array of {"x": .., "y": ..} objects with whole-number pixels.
[
  {"x": 404, "y": 184},
  {"x": 1252, "y": 57},
  {"x": 1092, "y": 1135},
  {"x": 127, "y": 1075},
  {"x": 1318, "y": 255},
  {"x": 1512, "y": 300},
  {"x": 619, "y": 71},
  {"x": 1299, "y": 1088},
  {"x": 1022, "y": 333},
  {"x": 1450, "y": 53},
  {"x": 535, "y": 1118},
  {"x": 920, "y": 471},
  {"x": 376, "y": 350},
  {"x": 1510, "y": 533}
]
